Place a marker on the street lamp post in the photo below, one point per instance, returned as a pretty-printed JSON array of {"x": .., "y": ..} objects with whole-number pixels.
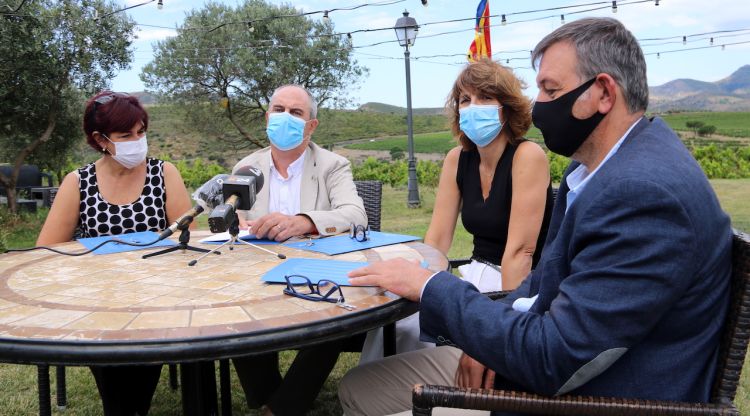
[{"x": 406, "y": 32}]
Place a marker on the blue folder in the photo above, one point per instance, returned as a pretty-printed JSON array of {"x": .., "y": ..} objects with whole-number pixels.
[
  {"x": 109, "y": 248},
  {"x": 314, "y": 269},
  {"x": 344, "y": 244}
]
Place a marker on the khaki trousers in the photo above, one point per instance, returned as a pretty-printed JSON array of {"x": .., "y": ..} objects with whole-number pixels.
[{"x": 384, "y": 387}]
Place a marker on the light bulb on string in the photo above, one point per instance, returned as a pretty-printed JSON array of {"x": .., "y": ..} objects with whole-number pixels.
[
  {"x": 658, "y": 55},
  {"x": 250, "y": 27},
  {"x": 160, "y": 4},
  {"x": 614, "y": 6},
  {"x": 424, "y": 3},
  {"x": 684, "y": 40},
  {"x": 502, "y": 20},
  {"x": 562, "y": 19},
  {"x": 325, "y": 17},
  {"x": 656, "y": 2},
  {"x": 711, "y": 42},
  {"x": 723, "y": 47}
]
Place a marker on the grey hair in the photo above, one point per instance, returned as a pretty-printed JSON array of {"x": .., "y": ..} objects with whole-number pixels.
[
  {"x": 604, "y": 45},
  {"x": 313, "y": 104}
]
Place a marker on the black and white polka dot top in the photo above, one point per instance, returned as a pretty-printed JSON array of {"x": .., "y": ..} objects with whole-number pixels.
[{"x": 98, "y": 217}]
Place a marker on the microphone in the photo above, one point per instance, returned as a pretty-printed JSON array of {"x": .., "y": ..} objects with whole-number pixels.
[
  {"x": 209, "y": 195},
  {"x": 239, "y": 191},
  {"x": 182, "y": 222}
]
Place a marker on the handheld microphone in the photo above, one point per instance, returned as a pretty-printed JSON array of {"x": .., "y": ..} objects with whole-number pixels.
[
  {"x": 182, "y": 222},
  {"x": 239, "y": 191}
]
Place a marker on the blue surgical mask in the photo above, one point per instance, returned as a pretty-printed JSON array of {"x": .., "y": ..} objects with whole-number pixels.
[
  {"x": 285, "y": 131},
  {"x": 480, "y": 123}
]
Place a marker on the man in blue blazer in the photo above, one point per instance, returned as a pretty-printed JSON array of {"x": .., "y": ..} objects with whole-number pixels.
[{"x": 632, "y": 288}]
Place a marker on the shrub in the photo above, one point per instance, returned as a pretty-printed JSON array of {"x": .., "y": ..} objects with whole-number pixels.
[
  {"x": 706, "y": 130},
  {"x": 396, "y": 173},
  {"x": 397, "y": 153},
  {"x": 197, "y": 172}
]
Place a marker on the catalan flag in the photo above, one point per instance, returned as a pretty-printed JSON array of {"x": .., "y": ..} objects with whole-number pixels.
[{"x": 481, "y": 45}]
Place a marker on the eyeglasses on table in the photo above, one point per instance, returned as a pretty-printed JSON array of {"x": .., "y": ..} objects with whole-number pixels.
[{"x": 301, "y": 287}]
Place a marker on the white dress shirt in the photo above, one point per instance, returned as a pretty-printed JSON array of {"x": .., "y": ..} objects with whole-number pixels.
[{"x": 284, "y": 193}]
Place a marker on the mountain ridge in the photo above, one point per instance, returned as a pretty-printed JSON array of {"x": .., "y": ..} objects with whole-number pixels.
[{"x": 728, "y": 94}]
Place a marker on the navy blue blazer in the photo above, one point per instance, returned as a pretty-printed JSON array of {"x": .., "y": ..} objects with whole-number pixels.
[{"x": 633, "y": 285}]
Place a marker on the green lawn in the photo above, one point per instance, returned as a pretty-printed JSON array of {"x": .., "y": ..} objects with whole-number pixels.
[{"x": 18, "y": 395}]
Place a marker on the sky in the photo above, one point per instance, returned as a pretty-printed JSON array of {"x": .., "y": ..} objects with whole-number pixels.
[{"x": 432, "y": 76}]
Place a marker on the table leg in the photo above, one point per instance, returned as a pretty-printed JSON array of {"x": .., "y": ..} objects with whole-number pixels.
[
  {"x": 225, "y": 387},
  {"x": 198, "y": 382},
  {"x": 389, "y": 340},
  {"x": 45, "y": 407},
  {"x": 62, "y": 395}
]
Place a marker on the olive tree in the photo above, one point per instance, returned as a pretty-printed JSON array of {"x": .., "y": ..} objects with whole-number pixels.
[
  {"x": 225, "y": 62},
  {"x": 52, "y": 54}
]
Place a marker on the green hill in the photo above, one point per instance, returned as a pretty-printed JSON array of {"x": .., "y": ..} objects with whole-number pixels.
[{"x": 393, "y": 109}]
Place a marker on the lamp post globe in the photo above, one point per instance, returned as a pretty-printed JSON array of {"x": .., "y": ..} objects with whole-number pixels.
[{"x": 406, "y": 32}]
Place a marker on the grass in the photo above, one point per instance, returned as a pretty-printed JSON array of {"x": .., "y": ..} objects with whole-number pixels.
[
  {"x": 438, "y": 142},
  {"x": 727, "y": 123},
  {"x": 18, "y": 394}
]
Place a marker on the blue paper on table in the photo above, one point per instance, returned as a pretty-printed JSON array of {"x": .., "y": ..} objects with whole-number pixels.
[
  {"x": 109, "y": 248},
  {"x": 345, "y": 244},
  {"x": 244, "y": 235},
  {"x": 313, "y": 269}
]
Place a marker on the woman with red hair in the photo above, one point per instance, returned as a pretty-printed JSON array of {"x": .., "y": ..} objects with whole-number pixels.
[{"x": 122, "y": 192}]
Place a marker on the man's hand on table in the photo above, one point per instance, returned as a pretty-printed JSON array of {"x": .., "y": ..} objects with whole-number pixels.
[
  {"x": 402, "y": 277},
  {"x": 473, "y": 375},
  {"x": 279, "y": 227}
]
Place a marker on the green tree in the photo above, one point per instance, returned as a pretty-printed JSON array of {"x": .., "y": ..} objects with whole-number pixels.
[
  {"x": 226, "y": 62},
  {"x": 694, "y": 126},
  {"x": 705, "y": 131},
  {"x": 52, "y": 53}
]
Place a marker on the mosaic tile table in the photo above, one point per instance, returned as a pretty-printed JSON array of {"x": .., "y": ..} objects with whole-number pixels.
[{"x": 121, "y": 309}]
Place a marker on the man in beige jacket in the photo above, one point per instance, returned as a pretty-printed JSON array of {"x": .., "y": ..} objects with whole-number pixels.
[{"x": 308, "y": 190}]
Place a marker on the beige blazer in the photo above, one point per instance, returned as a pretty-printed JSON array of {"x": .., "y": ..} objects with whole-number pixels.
[{"x": 327, "y": 195}]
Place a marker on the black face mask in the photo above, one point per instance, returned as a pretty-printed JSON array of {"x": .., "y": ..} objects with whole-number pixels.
[{"x": 563, "y": 133}]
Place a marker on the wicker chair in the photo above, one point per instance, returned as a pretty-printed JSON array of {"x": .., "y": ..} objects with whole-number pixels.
[{"x": 731, "y": 357}]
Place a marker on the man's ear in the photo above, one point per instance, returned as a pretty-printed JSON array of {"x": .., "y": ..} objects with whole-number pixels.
[
  {"x": 609, "y": 92},
  {"x": 311, "y": 126}
]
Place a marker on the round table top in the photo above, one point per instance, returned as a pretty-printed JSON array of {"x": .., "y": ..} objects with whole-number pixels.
[{"x": 119, "y": 308}]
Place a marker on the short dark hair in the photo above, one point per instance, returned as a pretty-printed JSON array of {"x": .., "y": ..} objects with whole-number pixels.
[
  {"x": 489, "y": 77},
  {"x": 108, "y": 112},
  {"x": 604, "y": 45}
]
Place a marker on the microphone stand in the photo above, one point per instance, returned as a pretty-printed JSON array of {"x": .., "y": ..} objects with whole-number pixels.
[
  {"x": 234, "y": 230},
  {"x": 184, "y": 239}
]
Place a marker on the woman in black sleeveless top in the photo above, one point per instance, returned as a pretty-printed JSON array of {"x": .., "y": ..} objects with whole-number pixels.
[{"x": 498, "y": 180}]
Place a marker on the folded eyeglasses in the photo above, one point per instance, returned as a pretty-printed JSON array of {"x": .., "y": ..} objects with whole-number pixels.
[
  {"x": 359, "y": 232},
  {"x": 301, "y": 287}
]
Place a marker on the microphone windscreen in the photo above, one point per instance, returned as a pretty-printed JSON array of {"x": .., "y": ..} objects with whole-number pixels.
[
  {"x": 209, "y": 195},
  {"x": 248, "y": 170}
]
